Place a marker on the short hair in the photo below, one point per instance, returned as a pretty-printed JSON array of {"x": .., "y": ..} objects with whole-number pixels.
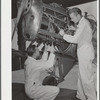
[
  {"x": 31, "y": 50},
  {"x": 75, "y": 10}
]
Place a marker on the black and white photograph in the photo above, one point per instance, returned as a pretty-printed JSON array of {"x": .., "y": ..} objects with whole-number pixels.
[{"x": 52, "y": 50}]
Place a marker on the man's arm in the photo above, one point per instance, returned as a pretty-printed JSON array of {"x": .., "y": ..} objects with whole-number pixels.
[
  {"x": 45, "y": 53},
  {"x": 45, "y": 56},
  {"x": 42, "y": 64},
  {"x": 74, "y": 39}
]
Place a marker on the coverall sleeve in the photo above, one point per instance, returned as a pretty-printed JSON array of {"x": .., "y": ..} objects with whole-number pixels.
[
  {"x": 42, "y": 65},
  {"x": 74, "y": 39},
  {"x": 45, "y": 56}
]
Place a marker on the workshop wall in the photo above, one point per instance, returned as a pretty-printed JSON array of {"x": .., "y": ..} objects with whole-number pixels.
[{"x": 90, "y": 8}]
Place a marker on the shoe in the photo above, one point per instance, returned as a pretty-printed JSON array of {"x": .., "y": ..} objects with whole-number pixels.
[{"x": 76, "y": 98}]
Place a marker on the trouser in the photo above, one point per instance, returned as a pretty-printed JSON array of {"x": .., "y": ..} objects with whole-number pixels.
[
  {"x": 86, "y": 84},
  {"x": 44, "y": 93}
]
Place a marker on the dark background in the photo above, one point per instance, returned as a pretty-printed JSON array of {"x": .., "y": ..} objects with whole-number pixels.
[{"x": 65, "y": 3}]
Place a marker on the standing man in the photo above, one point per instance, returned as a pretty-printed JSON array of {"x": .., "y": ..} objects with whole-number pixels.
[
  {"x": 33, "y": 66},
  {"x": 85, "y": 52}
]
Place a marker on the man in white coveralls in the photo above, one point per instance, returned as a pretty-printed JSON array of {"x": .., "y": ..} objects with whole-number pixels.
[
  {"x": 33, "y": 87},
  {"x": 85, "y": 52}
]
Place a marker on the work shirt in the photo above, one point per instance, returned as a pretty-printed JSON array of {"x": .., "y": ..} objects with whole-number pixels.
[
  {"x": 83, "y": 34},
  {"x": 33, "y": 68}
]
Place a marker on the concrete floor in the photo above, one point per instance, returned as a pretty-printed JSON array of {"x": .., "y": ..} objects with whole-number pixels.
[{"x": 70, "y": 81}]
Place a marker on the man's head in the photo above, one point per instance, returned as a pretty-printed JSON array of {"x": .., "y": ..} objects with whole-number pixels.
[
  {"x": 33, "y": 51},
  {"x": 75, "y": 14}
]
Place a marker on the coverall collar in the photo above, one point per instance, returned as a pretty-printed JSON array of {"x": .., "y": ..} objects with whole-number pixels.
[
  {"x": 80, "y": 21},
  {"x": 29, "y": 57}
]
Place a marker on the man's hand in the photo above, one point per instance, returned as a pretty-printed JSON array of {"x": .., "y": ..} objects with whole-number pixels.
[
  {"x": 46, "y": 47},
  {"x": 72, "y": 28},
  {"x": 61, "y": 32},
  {"x": 52, "y": 50},
  {"x": 49, "y": 48},
  {"x": 40, "y": 46}
]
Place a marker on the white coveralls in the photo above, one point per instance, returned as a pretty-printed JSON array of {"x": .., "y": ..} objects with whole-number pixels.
[
  {"x": 33, "y": 87},
  {"x": 85, "y": 53}
]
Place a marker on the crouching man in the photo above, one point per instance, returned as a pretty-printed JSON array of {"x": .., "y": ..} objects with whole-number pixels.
[{"x": 33, "y": 66}]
